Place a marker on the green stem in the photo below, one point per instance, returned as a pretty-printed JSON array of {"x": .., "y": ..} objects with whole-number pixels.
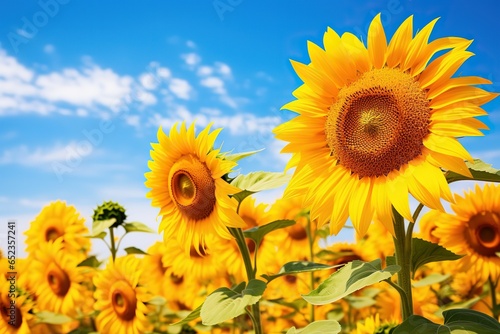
[
  {"x": 113, "y": 248},
  {"x": 245, "y": 254},
  {"x": 311, "y": 256},
  {"x": 403, "y": 258},
  {"x": 494, "y": 306}
]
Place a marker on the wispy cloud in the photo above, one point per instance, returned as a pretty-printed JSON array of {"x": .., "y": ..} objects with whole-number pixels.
[{"x": 181, "y": 88}]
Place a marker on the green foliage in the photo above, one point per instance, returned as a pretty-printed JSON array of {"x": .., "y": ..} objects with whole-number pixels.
[
  {"x": 109, "y": 210},
  {"x": 352, "y": 277},
  {"x": 135, "y": 250},
  {"x": 457, "y": 321},
  {"x": 318, "y": 327},
  {"x": 225, "y": 304},
  {"x": 296, "y": 267},
  {"x": 258, "y": 181},
  {"x": 52, "y": 318},
  {"x": 137, "y": 227},
  {"x": 100, "y": 226},
  {"x": 431, "y": 279},
  {"x": 480, "y": 170},
  {"x": 425, "y": 252},
  {"x": 238, "y": 156},
  {"x": 193, "y": 315},
  {"x": 259, "y": 232},
  {"x": 91, "y": 261}
]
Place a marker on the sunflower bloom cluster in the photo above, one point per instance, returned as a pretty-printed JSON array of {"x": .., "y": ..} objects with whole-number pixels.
[{"x": 378, "y": 122}]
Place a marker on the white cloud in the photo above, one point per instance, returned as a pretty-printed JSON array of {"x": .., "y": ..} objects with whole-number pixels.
[
  {"x": 148, "y": 81},
  {"x": 191, "y": 44},
  {"x": 191, "y": 59},
  {"x": 10, "y": 68},
  {"x": 223, "y": 69},
  {"x": 92, "y": 86},
  {"x": 163, "y": 72},
  {"x": 180, "y": 87},
  {"x": 146, "y": 98},
  {"x": 49, "y": 49},
  {"x": 215, "y": 84},
  {"x": 237, "y": 124},
  {"x": 43, "y": 156},
  {"x": 132, "y": 120},
  {"x": 205, "y": 70}
]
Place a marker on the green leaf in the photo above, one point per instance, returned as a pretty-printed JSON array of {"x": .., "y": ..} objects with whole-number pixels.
[
  {"x": 257, "y": 233},
  {"x": 91, "y": 261},
  {"x": 225, "y": 304},
  {"x": 296, "y": 267},
  {"x": 99, "y": 226},
  {"x": 157, "y": 300},
  {"x": 318, "y": 327},
  {"x": 351, "y": 277},
  {"x": 137, "y": 227},
  {"x": 52, "y": 318},
  {"x": 359, "y": 302},
  {"x": 425, "y": 252},
  {"x": 257, "y": 181},
  {"x": 195, "y": 314},
  {"x": 135, "y": 250},
  {"x": 297, "y": 305},
  {"x": 480, "y": 170},
  {"x": 238, "y": 156},
  {"x": 431, "y": 279},
  {"x": 390, "y": 260},
  {"x": 457, "y": 321}
]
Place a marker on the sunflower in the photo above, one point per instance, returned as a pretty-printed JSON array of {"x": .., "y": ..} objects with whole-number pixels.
[
  {"x": 295, "y": 242},
  {"x": 121, "y": 297},
  {"x": 15, "y": 313},
  {"x": 376, "y": 123},
  {"x": 58, "y": 220},
  {"x": 202, "y": 267},
  {"x": 474, "y": 231},
  {"x": 153, "y": 264},
  {"x": 57, "y": 280},
  {"x": 186, "y": 184},
  {"x": 372, "y": 324}
]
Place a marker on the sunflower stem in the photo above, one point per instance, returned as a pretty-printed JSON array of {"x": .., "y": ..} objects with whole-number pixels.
[
  {"x": 112, "y": 248},
  {"x": 245, "y": 254},
  {"x": 494, "y": 306},
  {"x": 402, "y": 243},
  {"x": 311, "y": 256}
]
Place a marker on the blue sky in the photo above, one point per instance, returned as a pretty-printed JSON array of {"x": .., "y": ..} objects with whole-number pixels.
[{"x": 84, "y": 86}]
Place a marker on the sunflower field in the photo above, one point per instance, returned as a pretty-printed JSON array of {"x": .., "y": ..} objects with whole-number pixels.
[{"x": 376, "y": 123}]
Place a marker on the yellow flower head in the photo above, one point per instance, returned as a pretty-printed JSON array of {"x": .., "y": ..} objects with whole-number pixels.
[
  {"x": 186, "y": 184},
  {"x": 474, "y": 231},
  {"x": 58, "y": 220},
  {"x": 377, "y": 122},
  {"x": 15, "y": 308},
  {"x": 58, "y": 281},
  {"x": 121, "y": 298}
]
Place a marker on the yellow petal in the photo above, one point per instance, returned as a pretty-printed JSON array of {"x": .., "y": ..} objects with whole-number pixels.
[
  {"x": 458, "y": 128},
  {"x": 443, "y": 67},
  {"x": 398, "y": 45},
  {"x": 398, "y": 195},
  {"x": 313, "y": 78},
  {"x": 360, "y": 208},
  {"x": 357, "y": 52},
  {"x": 417, "y": 45},
  {"x": 377, "y": 43},
  {"x": 436, "y": 89},
  {"x": 446, "y": 145},
  {"x": 448, "y": 162},
  {"x": 474, "y": 95}
]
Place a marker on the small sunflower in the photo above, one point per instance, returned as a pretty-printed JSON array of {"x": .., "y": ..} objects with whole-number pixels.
[
  {"x": 295, "y": 241},
  {"x": 15, "y": 313},
  {"x": 372, "y": 324},
  {"x": 153, "y": 264},
  {"x": 186, "y": 184},
  {"x": 182, "y": 291},
  {"x": 59, "y": 221},
  {"x": 474, "y": 231},
  {"x": 121, "y": 298},
  {"x": 377, "y": 123},
  {"x": 57, "y": 280}
]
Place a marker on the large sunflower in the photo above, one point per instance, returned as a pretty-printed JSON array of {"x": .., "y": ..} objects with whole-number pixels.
[
  {"x": 58, "y": 281},
  {"x": 376, "y": 123},
  {"x": 58, "y": 220},
  {"x": 121, "y": 298},
  {"x": 186, "y": 183},
  {"x": 474, "y": 231}
]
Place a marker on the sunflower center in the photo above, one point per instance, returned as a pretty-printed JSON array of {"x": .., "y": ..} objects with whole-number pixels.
[
  {"x": 123, "y": 300},
  {"x": 11, "y": 316},
  {"x": 176, "y": 280},
  {"x": 297, "y": 232},
  {"x": 378, "y": 122},
  {"x": 197, "y": 253},
  {"x": 58, "y": 280},
  {"x": 291, "y": 279},
  {"x": 192, "y": 188},
  {"x": 483, "y": 233},
  {"x": 52, "y": 233}
]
